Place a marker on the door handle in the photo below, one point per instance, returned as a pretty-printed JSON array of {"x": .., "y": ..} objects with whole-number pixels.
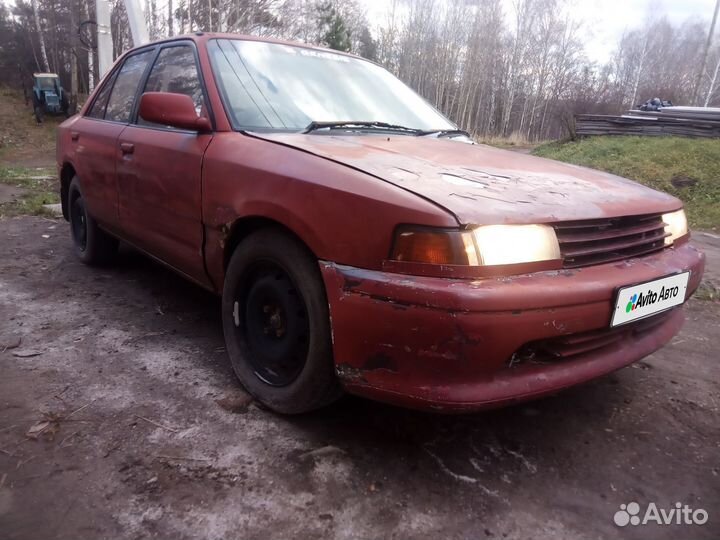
[
  {"x": 74, "y": 135},
  {"x": 127, "y": 148}
]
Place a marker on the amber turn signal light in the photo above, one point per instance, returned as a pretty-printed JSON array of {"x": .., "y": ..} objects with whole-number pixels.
[{"x": 430, "y": 246}]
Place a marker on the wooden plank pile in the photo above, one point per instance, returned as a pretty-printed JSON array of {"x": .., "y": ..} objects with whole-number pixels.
[{"x": 683, "y": 121}]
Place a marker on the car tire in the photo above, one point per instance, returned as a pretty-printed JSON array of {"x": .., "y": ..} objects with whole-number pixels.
[
  {"x": 277, "y": 325},
  {"x": 92, "y": 245}
]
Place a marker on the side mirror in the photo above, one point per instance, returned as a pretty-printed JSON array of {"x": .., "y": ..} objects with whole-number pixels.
[{"x": 176, "y": 110}]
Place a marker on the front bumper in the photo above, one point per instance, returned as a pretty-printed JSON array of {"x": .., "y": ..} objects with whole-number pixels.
[{"x": 452, "y": 344}]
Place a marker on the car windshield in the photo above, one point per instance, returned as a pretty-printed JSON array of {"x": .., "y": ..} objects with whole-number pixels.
[{"x": 282, "y": 87}]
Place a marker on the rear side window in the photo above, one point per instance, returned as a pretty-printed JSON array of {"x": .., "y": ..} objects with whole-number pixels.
[
  {"x": 98, "y": 107},
  {"x": 122, "y": 97},
  {"x": 175, "y": 71}
]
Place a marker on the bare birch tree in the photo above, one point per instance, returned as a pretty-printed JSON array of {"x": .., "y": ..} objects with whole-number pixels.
[{"x": 40, "y": 36}]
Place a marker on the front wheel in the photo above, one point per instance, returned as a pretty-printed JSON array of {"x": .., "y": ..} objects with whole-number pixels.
[
  {"x": 277, "y": 325},
  {"x": 91, "y": 244}
]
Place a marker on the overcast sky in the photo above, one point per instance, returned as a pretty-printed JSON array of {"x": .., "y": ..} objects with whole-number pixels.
[{"x": 604, "y": 20}]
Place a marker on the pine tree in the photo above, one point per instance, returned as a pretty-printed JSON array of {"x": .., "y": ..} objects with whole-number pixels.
[
  {"x": 368, "y": 47},
  {"x": 332, "y": 28}
]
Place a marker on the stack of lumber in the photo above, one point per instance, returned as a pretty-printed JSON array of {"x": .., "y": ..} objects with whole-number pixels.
[{"x": 683, "y": 121}]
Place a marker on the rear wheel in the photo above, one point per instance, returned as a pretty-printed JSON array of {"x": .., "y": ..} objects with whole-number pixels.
[
  {"x": 277, "y": 325},
  {"x": 91, "y": 244}
]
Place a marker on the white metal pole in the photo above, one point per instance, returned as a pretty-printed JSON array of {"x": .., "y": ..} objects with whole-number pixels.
[
  {"x": 136, "y": 18},
  {"x": 104, "y": 37}
]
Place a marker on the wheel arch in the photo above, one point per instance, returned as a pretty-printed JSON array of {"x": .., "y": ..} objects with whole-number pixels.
[{"x": 243, "y": 227}]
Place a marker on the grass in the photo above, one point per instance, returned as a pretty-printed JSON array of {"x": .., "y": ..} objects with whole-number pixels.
[
  {"x": 514, "y": 140},
  {"x": 26, "y": 156},
  {"x": 39, "y": 187},
  {"x": 655, "y": 162},
  {"x": 708, "y": 291}
]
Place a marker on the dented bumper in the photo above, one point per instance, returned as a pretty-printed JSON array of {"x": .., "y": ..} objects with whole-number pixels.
[{"x": 461, "y": 345}]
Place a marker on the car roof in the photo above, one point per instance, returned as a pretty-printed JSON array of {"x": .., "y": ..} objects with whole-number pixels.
[
  {"x": 202, "y": 37},
  {"x": 53, "y": 75}
]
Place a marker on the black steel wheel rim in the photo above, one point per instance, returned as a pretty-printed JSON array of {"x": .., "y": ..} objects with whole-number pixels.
[
  {"x": 272, "y": 322},
  {"x": 78, "y": 221}
]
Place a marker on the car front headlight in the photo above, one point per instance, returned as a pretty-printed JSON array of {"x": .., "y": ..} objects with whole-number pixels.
[
  {"x": 514, "y": 244},
  {"x": 676, "y": 226},
  {"x": 487, "y": 245}
]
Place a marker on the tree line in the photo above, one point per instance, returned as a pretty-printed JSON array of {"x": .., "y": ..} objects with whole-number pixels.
[{"x": 496, "y": 70}]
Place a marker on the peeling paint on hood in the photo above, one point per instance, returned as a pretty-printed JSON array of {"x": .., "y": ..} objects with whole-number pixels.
[{"x": 480, "y": 184}]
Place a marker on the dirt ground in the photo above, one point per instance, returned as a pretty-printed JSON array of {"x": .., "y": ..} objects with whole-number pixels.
[
  {"x": 9, "y": 193},
  {"x": 24, "y": 143},
  {"x": 120, "y": 418}
]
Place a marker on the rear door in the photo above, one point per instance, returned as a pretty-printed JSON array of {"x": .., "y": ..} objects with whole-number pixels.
[
  {"x": 159, "y": 172},
  {"x": 94, "y": 138}
]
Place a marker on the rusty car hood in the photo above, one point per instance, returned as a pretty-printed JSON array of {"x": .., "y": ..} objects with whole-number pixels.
[{"x": 481, "y": 184}]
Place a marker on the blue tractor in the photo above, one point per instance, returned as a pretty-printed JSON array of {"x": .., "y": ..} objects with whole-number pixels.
[{"x": 48, "y": 96}]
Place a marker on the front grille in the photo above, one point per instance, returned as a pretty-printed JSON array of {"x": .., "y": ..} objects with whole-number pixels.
[
  {"x": 598, "y": 241},
  {"x": 574, "y": 345}
]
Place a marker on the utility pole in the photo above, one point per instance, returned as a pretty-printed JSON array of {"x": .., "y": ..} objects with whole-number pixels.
[
  {"x": 706, "y": 50},
  {"x": 138, "y": 29},
  {"x": 104, "y": 37}
]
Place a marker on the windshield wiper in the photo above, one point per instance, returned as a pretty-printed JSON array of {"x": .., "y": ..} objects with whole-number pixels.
[
  {"x": 314, "y": 126},
  {"x": 440, "y": 133},
  {"x": 385, "y": 126}
]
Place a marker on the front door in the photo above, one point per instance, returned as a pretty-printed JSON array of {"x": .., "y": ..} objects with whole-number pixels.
[{"x": 159, "y": 172}]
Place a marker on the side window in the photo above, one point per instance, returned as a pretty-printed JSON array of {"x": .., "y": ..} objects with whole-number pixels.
[
  {"x": 175, "y": 71},
  {"x": 122, "y": 97},
  {"x": 98, "y": 107}
]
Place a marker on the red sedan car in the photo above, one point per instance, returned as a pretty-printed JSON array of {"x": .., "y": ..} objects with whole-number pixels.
[{"x": 360, "y": 242}]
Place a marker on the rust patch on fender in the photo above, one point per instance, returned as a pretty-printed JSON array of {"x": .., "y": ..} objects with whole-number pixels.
[
  {"x": 380, "y": 361},
  {"x": 350, "y": 374},
  {"x": 349, "y": 283},
  {"x": 225, "y": 234},
  {"x": 355, "y": 375}
]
